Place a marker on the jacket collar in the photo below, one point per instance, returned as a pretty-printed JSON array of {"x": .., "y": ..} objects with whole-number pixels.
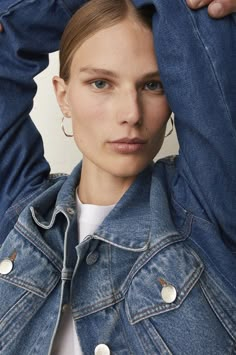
[{"x": 139, "y": 220}]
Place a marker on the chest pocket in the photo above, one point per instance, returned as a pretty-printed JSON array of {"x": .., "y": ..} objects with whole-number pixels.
[
  {"x": 171, "y": 311},
  {"x": 34, "y": 268},
  {"x": 163, "y": 283}
]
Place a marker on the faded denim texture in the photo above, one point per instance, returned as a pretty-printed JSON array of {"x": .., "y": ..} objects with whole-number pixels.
[{"x": 175, "y": 223}]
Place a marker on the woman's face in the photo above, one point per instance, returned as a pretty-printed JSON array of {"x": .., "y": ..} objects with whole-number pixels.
[{"x": 116, "y": 101}]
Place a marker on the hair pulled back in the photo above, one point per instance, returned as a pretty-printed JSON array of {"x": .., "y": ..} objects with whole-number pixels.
[{"x": 92, "y": 17}]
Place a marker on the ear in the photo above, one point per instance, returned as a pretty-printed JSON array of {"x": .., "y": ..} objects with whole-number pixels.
[{"x": 60, "y": 89}]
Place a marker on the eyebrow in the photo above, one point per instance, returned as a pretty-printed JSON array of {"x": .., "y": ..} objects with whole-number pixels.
[{"x": 92, "y": 70}]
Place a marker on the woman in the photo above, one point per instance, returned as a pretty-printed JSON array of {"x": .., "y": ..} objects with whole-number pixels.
[{"x": 153, "y": 272}]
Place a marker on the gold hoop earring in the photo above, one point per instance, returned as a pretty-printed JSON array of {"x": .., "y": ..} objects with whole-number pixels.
[
  {"x": 63, "y": 128},
  {"x": 172, "y": 128}
]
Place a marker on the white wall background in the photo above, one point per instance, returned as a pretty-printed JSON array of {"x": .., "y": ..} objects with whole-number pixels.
[{"x": 61, "y": 152}]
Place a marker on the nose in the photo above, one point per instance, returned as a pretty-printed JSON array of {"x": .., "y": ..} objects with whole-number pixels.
[{"x": 130, "y": 109}]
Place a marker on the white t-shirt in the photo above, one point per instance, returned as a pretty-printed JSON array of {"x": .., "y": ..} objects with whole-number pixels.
[{"x": 89, "y": 217}]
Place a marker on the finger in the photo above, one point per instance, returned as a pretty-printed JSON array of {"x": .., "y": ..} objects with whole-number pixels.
[
  {"x": 196, "y": 4},
  {"x": 221, "y": 8},
  {"x": 1, "y": 27}
]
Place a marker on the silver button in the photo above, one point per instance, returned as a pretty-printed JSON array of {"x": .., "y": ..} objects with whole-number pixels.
[
  {"x": 65, "y": 307},
  {"x": 70, "y": 210},
  {"x": 102, "y": 349},
  {"x": 168, "y": 293},
  {"x": 92, "y": 258},
  {"x": 6, "y": 266}
]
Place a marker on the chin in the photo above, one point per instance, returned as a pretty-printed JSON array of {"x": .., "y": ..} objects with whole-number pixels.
[{"x": 128, "y": 170}]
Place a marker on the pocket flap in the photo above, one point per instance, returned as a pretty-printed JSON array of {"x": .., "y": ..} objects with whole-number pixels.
[
  {"x": 31, "y": 269},
  {"x": 163, "y": 283}
]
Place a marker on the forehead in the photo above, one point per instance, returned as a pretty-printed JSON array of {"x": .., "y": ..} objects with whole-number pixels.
[{"x": 124, "y": 45}]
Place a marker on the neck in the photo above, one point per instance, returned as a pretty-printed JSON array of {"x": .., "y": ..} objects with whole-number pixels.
[{"x": 101, "y": 188}]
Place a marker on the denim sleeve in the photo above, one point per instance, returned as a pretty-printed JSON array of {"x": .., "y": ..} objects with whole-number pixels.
[
  {"x": 197, "y": 60},
  {"x": 32, "y": 29}
]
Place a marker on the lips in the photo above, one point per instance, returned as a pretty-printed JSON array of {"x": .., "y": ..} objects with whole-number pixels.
[
  {"x": 128, "y": 145},
  {"x": 135, "y": 140}
]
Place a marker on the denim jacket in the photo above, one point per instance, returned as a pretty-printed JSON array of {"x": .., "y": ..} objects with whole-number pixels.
[{"x": 159, "y": 274}]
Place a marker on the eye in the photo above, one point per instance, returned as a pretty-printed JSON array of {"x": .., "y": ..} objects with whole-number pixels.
[
  {"x": 100, "y": 84},
  {"x": 153, "y": 86}
]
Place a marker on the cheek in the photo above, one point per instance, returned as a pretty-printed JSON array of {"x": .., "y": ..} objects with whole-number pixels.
[
  {"x": 89, "y": 123},
  {"x": 87, "y": 108},
  {"x": 157, "y": 114}
]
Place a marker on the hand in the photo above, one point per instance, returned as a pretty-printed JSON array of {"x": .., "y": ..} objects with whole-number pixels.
[
  {"x": 1, "y": 28},
  {"x": 216, "y": 8}
]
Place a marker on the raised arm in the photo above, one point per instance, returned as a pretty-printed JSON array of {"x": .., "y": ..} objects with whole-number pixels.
[
  {"x": 29, "y": 31},
  {"x": 200, "y": 82}
]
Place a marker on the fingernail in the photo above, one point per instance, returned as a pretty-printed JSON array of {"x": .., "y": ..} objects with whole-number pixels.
[
  {"x": 216, "y": 9},
  {"x": 196, "y": 3}
]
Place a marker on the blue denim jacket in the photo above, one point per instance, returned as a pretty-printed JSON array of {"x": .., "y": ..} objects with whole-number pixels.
[{"x": 159, "y": 275}]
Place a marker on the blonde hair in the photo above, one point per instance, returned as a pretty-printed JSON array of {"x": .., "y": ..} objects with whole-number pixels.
[{"x": 94, "y": 16}]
